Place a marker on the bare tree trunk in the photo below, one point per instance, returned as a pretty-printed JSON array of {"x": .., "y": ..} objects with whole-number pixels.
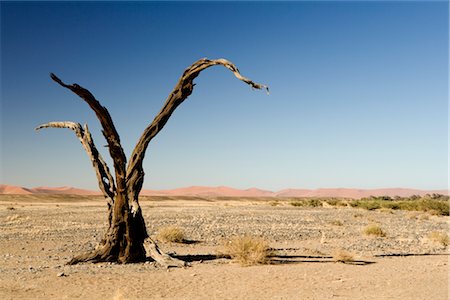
[{"x": 126, "y": 239}]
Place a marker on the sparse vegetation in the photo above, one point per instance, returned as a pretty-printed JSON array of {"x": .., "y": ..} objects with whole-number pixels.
[
  {"x": 342, "y": 256},
  {"x": 434, "y": 204},
  {"x": 171, "y": 234},
  {"x": 307, "y": 202},
  {"x": 374, "y": 230},
  {"x": 440, "y": 238},
  {"x": 336, "y": 202},
  {"x": 248, "y": 250}
]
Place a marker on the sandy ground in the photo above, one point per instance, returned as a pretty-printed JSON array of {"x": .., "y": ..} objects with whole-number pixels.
[{"x": 40, "y": 234}]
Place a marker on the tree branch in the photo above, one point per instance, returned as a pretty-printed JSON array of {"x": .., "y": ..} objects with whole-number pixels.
[
  {"x": 109, "y": 130},
  {"x": 182, "y": 90},
  {"x": 105, "y": 180}
]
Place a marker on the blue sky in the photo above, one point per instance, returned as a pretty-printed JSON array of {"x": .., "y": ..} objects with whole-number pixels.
[{"x": 359, "y": 91}]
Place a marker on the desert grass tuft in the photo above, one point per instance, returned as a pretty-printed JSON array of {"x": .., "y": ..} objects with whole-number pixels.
[
  {"x": 171, "y": 234},
  {"x": 248, "y": 250},
  {"x": 440, "y": 238},
  {"x": 374, "y": 230},
  {"x": 342, "y": 256}
]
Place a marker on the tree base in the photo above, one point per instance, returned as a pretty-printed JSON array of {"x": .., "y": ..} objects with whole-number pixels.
[{"x": 104, "y": 254}]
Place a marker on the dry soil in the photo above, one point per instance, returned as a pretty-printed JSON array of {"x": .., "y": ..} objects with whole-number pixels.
[{"x": 39, "y": 234}]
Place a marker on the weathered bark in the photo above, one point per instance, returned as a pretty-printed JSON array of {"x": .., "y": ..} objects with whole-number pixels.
[
  {"x": 126, "y": 239},
  {"x": 104, "y": 178}
]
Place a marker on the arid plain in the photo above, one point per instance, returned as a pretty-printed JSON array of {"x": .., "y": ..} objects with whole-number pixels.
[{"x": 40, "y": 233}]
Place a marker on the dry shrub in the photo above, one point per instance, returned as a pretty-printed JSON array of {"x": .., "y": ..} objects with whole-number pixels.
[
  {"x": 306, "y": 202},
  {"x": 337, "y": 223},
  {"x": 342, "y": 256},
  {"x": 374, "y": 230},
  {"x": 248, "y": 250},
  {"x": 171, "y": 234},
  {"x": 440, "y": 238}
]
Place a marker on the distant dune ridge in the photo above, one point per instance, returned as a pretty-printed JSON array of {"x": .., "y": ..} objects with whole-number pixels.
[
  {"x": 223, "y": 191},
  {"x": 65, "y": 190}
]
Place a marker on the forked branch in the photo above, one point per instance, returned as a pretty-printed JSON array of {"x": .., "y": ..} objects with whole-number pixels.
[
  {"x": 182, "y": 90},
  {"x": 105, "y": 180}
]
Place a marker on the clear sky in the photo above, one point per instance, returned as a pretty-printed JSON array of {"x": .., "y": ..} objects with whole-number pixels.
[{"x": 359, "y": 91}]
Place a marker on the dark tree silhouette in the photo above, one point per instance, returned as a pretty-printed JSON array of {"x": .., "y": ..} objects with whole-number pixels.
[{"x": 126, "y": 238}]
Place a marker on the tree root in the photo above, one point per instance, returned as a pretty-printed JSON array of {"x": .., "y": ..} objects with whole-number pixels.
[
  {"x": 161, "y": 258},
  {"x": 95, "y": 256}
]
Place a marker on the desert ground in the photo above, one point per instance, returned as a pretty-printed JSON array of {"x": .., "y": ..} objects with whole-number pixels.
[{"x": 40, "y": 233}]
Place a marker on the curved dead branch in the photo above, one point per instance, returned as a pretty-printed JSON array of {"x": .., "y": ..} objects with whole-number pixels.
[
  {"x": 182, "y": 90},
  {"x": 105, "y": 180},
  {"x": 109, "y": 130}
]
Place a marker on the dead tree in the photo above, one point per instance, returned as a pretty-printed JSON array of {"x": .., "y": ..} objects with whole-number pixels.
[{"x": 126, "y": 239}]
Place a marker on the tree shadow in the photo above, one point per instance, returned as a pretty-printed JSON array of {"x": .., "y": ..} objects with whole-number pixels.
[
  {"x": 410, "y": 254},
  {"x": 295, "y": 259},
  {"x": 190, "y": 242},
  {"x": 199, "y": 257},
  {"x": 274, "y": 259},
  {"x": 278, "y": 259}
]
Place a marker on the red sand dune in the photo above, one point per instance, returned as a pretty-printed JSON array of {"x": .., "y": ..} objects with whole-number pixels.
[
  {"x": 63, "y": 190},
  {"x": 223, "y": 191},
  {"x": 16, "y": 190},
  {"x": 204, "y": 191}
]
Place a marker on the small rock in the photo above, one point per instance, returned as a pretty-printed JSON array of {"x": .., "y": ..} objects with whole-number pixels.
[{"x": 61, "y": 274}]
